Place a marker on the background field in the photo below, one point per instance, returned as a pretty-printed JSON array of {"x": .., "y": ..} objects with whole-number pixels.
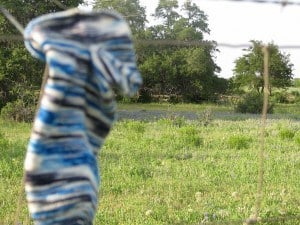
[{"x": 173, "y": 170}]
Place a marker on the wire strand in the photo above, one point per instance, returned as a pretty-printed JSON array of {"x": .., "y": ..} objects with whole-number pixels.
[
  {"x": 17, "y": 38},
  {"x": 276, "y": 2},
  {"x": 12, "y": 19},
  {"x": 59, "y": 4}
]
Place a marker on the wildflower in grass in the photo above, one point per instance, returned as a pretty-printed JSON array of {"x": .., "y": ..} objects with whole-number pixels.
[
  {"x": 206, "y": 218},
  {"x": 282, "y": 211},
  {"x": 149, "y": 212},
  {"x": 199, "y": 196},
  {"x": 190, "y": 210},
  {"x": 235, "y": 195},
  {"x": 214, "y": 216},
  {"x": 223, "y": 213}
]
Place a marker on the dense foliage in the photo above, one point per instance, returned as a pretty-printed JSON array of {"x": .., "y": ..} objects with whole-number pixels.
[
  {"x": 252, "y": 102},
  {"x": 249, "y": 68},
  {"x": 171, "y": 68},
  {"x": 20, "y": 73}
]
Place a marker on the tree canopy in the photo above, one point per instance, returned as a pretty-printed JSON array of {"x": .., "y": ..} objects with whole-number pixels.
[
  {"x": 188, "y": 71},
  {"x": 183, "y": 70},
  {"x": 249, "y": 68},
  {"x": 190, "y": 23},
  {"x": 20, "y": 73},
  {"x": 134, "y": 13}
]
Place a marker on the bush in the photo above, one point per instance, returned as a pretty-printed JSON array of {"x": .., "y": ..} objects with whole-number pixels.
[
  {"x": 239, "y": 142},
  {"x": 18, "y": 111},
  {"x": 145, "y": 95},
  {"x": 286, "y": 133},
  {"x": 190, "y": 136},
  {"x": 252, "y": 102},
  {"x": 297, "y": 138},
  {"x": 281, "y": 97},
  {"x": 296, "y": 96},
  {"x": 175, "y": 99}
]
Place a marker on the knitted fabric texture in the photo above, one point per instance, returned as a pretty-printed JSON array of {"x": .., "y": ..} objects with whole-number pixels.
[{"x": 89, "y": 56}]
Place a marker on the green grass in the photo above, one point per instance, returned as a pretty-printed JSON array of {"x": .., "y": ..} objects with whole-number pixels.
[
  {"x": 13, "y": 141},
  {"x": 174, "y": 171}
]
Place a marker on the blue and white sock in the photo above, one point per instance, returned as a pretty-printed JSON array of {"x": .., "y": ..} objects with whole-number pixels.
[{"x": 89, "y": 56}]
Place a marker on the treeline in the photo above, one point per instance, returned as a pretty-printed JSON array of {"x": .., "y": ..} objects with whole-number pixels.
[
  {"x": 173, "y": 63},
  {"x": 170, "y": 64}
]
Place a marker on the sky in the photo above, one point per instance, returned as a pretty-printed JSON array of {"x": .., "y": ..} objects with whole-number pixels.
[{"x": 239, "y": 22}]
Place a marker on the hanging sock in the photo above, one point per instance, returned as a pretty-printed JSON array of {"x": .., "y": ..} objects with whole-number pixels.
[{"x": 89, "y": 56}]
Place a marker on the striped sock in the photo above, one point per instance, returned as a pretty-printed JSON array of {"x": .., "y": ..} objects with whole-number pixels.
[{"x": 89, "y": 56}]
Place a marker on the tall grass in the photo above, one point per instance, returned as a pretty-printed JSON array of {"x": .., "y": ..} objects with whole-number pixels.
[{"x": 175, "y": 171}]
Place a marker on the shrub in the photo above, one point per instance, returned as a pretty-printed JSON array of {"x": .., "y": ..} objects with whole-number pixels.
[
  {"x": 281, "y": 97},
  {"x": 252, "y": 102},
  {"x": 145, "y": 95},
  {"x": 175, "y": 99},
  {"x": 190, "y": 136},
  {"x": 135, "y": 126},
  {"x": 297, "y": 138},
  {"x": 239, "y": 142},
  {"x": 296, "y": 95},
  {"x": 286, "y": 133},
  {"x": 18, "y": 111}
]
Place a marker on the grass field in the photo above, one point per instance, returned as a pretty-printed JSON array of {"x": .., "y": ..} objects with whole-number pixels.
[{"x": 177, "y": 171}]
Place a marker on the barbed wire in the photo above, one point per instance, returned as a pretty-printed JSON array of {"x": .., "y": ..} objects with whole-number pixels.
[
  {"x": 276, "y": 2},
  {"x": 59, "y": 4},
  {"x": 19, "y": 38},
  {"x": 12, "y": 19}
]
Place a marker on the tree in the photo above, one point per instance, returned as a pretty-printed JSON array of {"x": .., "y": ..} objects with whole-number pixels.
[
  {"x": 249, "y": 68},
  {"x": 183, "y": 70},
  {"x": 166, "y": 10},
  {"x": 134, "y": 13},
  {"x": 20, "y": 73},
  {"x": 196, "y": 21},
  {"x": 188, "y": 25},
  {"x": 172, "y": 69}
]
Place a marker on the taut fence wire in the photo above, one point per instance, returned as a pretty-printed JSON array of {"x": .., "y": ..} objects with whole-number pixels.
[
  {"x": 253, "y": 219},
  {"x": 59, "y": 4},
  {"x": 276, "y": 2},
  {"x": 19, "y": 38}
]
